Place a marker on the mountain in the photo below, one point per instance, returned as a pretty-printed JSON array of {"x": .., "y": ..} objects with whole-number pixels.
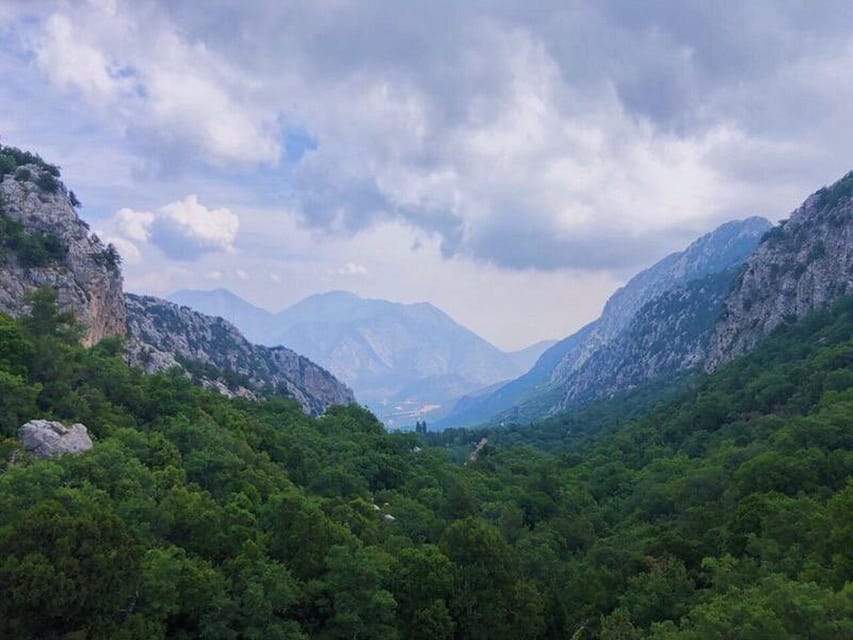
[
  {"x": 43, "y": 243},
  {"x": 164, "y": 335},
  {"x": 803, "y": 264},
  {"x": 630, "y": 342},
  {"x": 251, "y": 320},
  {"x": 403, "y": 360}
]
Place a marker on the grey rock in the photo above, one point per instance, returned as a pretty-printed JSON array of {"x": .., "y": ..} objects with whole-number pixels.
[
  {"x": 48, "y": 439},
  {"x": 803, "y": 264},
  {"x": 659, "y": 323},
  {"x": 727, "y": 246},
  {"x": 163, "y": 335},
  {"x": 86, "y": 283},
  {"x": 399, "y": 358}
]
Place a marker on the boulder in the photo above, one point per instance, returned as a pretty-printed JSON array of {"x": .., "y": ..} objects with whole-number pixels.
[{"x": 48, "y": 439}]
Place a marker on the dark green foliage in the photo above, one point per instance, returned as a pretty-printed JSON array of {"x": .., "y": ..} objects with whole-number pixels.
[
  {"x": 47, "y": 182},
  {"x": 720, "y": 511},
  {"x": 109, "y": 258},
  {"x": 831, "y": 196},
  {"x": 37, "y": 249},
  {"x": 12, "y": 158}
]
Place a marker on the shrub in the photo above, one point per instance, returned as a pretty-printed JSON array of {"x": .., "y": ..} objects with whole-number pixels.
[{"x": 47, "y": 182}]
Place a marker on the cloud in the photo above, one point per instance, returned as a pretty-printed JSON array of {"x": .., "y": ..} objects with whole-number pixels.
[
  {"x": 174, "y": 94},
  {"x": 242, "y": 275},
  {"x": 134, "y": 225},
  {"x": 351, "y": 269},
  {"x": 183, "y": 230},
  {"x": 572, "y": 135},
  {"x": 72, "y": 63}
]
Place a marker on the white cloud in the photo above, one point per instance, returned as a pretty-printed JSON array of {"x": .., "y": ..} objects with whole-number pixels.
[
  {"x": 351, "y": 269},
  {"x": 242, "y": 275},
  {"x": 70, "y": 62},
  {"x": 140, "y": 72},
  {"x": 134, "y": 225},
  {"x": 183, "y": 230},
  {"x": 213, "y": 275}
]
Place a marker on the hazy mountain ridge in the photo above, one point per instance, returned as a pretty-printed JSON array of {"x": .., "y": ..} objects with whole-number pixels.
[
  {"x": 604, "y": 356},
  {"x": 412, "y": 356}
]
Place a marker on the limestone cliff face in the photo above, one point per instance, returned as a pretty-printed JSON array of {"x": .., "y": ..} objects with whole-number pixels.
[
  {"x": 727, "y": 246},
  {"x": 667, "y": 335},
  {"x": 803, "y": 264},
  {"x": 658, "y": 324},
  {"x": 162, "y": 335},
  {"x": 44, "y": 243}
]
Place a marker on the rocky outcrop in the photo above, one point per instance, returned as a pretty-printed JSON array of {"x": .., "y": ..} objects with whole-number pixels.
[
  {"x": 657, "y": 324},
  {"x": 162, "y": 335},
  {"x": 47, "y": 439},
  {"x": 802, "y": 264},
  {"x": 667, "y": 335},
  {"x": 44, "y": 243},
  {"x": 729, "y": 245}
]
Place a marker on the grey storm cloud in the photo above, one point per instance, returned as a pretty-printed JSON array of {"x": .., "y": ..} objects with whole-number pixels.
[{"x": 547, "y": 135}]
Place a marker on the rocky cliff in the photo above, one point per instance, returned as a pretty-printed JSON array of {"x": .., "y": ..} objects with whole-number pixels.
[
  {"x": 802, "y": 264},
  {"x": 659, "y": 323},
  {"x": 667, "y": 335},
  {"x": 725, "y": 247},
  {"x": 162, "y": 335},
  {"x": 44, "y": 243}
]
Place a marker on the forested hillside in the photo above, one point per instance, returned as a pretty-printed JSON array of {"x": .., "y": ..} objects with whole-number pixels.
[{"x": 726, "y": 511}]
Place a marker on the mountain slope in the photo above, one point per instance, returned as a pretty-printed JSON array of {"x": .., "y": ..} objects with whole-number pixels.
[
  {"x": 562, "y": 376},
  {"x": 163, "y": 335},
  {"x": 401, "y": 359},
  {"x": 251, "y": 320},
  {"x": 803, "y": 264},
  {"x": 44, "y": 243}
]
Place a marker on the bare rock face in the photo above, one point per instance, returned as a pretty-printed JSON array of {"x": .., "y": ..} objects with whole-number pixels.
[
  {"x": 727, "y": 246},
  {"x": 162, "y": 335},
  {"x": 47, "y": 439},
  {"x": 803, "y": 264},
  {"x": 54, "y": 248}
]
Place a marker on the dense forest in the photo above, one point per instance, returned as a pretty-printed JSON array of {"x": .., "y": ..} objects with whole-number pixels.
[{"x": 717, "y": 507}]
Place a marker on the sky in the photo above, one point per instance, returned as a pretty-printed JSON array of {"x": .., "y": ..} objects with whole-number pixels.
[{"x": 511, "y": 162}]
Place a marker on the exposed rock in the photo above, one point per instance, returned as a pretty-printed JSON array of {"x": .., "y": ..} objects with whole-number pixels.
[
  {"x": 801, "y": 265},
  {"x": 399, "y": 358},
  {"x": 47, "y": 439},
  {"x": 657, "y": 324},
  {"x": 162, "y": 335},
  {"x": 81, "y": 268},
  {"x": 727, "y": 246},
  {"x": 667, "y": 335}
]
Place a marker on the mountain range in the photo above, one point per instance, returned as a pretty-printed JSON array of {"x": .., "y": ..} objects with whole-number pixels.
[
  {"x": 45, "y": 244},
  {"x": 693, "y": 310},
  {"x": 404, "y": 361},
  {"x": 655, "y": 325}
]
